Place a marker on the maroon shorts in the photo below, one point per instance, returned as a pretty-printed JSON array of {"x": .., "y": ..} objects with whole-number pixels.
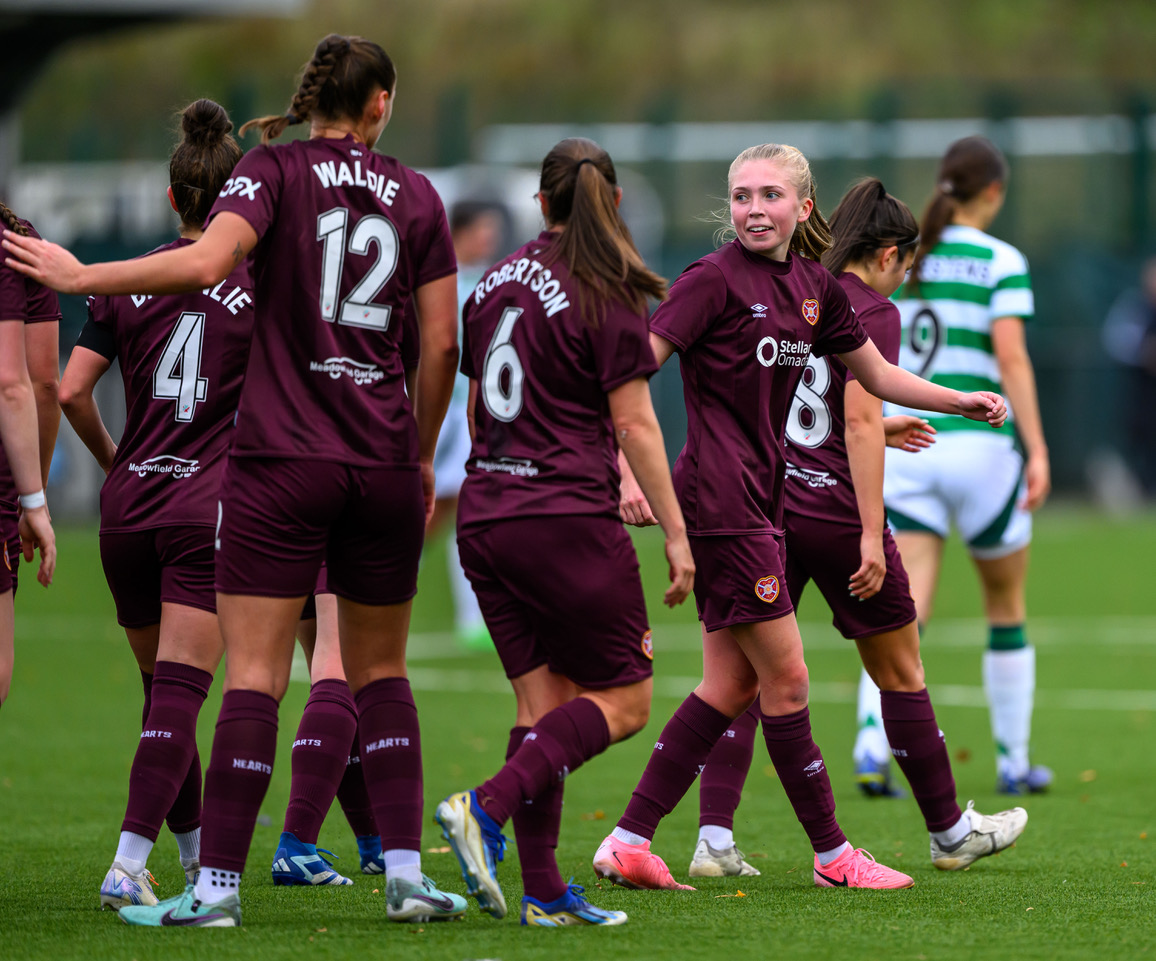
[
  {"x": 562, "y": 591},
  {"x": 171, "y": 565},
  {"x": 10, "y": 545},
  {"x": 827, "y": 552},
  {"x": 279, "y": 519},
  {"x": 739, "y": 579}
]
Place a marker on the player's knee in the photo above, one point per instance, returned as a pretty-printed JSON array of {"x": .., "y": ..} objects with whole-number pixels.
[{"x": 787, "y": 692}]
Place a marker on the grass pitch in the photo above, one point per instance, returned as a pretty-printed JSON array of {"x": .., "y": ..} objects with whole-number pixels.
[{"x": 1079, "y": 884}]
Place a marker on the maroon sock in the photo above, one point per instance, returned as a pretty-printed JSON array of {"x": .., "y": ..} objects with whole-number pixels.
[
  {"x": 557, "y": 745},
  {"x": 800, "y": 767},
  {"x": 146, "y": 680},
  {"x": 391, "y": 760},
  {"x": 352, "y": 795},
  {"x": 185, "y": 814},
  {"x": 921, "y": 754},
  {"x": 678, "y": 756},
  {"x": 240, "y": 767},
  {"x": 536, "y": 824},
  {"x": 167, "y": 753},
  {"x": 320, "y": 751},
  {"x": 720, "y": 786}
]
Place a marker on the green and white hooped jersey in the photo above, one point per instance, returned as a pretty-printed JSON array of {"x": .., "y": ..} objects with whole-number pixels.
[{"x": 966, "y": 282}]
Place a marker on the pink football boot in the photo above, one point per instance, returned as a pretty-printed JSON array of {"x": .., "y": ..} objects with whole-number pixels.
[
  {"x": 858, "y": 869},
  {"x": 634, "y": 866}
]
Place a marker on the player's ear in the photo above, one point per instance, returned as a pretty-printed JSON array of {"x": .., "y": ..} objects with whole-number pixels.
[
  {"x": 617, "y": 196},
  {"x": 544, "y": 204},
  {"x": 887, "y": 258},
  {"x": 172, "y": 200}
]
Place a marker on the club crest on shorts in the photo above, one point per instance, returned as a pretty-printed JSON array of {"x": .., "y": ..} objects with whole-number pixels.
[
  {"x": 648, "y": 645},
  {"x": 767, "y": 589},
  {"x": 811, "y": 312}
]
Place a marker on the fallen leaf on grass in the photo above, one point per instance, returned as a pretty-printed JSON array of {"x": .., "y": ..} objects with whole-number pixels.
[
  {"x": 737, "y": 894},
  {"x": 594, "y": 816},
  {"x": 758, "y": 854},
  {"x": 792, "y": 871},
  {"x": 322, "y": 930},
  {"x": 1123, "y": 864},
  {"x": 1087, "y": 776},
  {"x": 377, "y": 890},
  {"x": 1029, "y": 909},
  {"x": 1139, "y": 882},
  {"x": 963, "y": 755},
  {"x": 1143, "y": 835},
  {"x": 437, "y": 850}
]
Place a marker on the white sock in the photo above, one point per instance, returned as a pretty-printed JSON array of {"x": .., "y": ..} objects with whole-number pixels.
[
  {"x": 1009, "y": 680},
  {"x": 954, "y": 834},
  {"x": 133, "y": 852},
  {"x": 189, "y": 846},
  {"x": 719, "y": 838},
  {"x": 467, "y": 614},
  {"x": 826, "y": 857},
  {"x": 403, "y": 864},
  {"x": 628, "y": 836},
  {"x": 871, "y": 741},
  {"x": 214, "y": 884}
]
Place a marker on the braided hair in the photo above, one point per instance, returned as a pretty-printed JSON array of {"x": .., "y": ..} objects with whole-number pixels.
[
  {"x": 11, "y": 221},
  {"x": 335, "y": 84}
]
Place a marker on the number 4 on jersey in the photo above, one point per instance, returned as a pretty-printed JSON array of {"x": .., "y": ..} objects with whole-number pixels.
[{"x": 178, "y": 372}]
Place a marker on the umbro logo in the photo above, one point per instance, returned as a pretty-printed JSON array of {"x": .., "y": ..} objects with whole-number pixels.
[
  {"x": 758, "y": 310},
  {"x": 813, "y": 768}
]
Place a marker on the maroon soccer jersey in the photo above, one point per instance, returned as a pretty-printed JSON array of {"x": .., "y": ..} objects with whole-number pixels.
[
  {"x": 182, "y": 358},
  {"x": 743, "y": 326},
  {"x": 22, "y": 298},
  {"x": 818, "y": 472},
  {"x": 345, "y": 237},
  {"x": 545, "y": 442}
]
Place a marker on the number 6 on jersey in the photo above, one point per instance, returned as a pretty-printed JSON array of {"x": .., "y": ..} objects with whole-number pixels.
[{"x": 503, "y": 400}]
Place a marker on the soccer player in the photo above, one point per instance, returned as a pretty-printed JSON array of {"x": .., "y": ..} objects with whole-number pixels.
[
  {"x": 29, "y": 415},
  {"x": 329, "y": 458},
  {"x": 555, "y": 346},
  {"x": 836, "y": 535},
  {"x": 964, "y": 312},
  {"x": 182, "y": 360},
  {"x": 476, "y": 231},
  {"x": 744, "y": 320}
]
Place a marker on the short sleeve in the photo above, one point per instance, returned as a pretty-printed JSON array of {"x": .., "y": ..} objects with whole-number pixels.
[
  {"x": 13, "y": 296},
  {"x": 883, "y": 327},
  {"x": 839, "y": 328},
  {"x": 253, "y": 191},
  {"x": 695, "y": 302},
  {"x": 437, "y": 260},
  {"x": 1012, "y": 295},
  {"x": 42, "y": 304},
  {"x": 621, "y": 347}
]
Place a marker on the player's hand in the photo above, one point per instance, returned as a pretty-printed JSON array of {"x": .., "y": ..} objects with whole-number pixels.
[
  {"x": 867, "y": 581},
  {"x": 908, "y": 432},
  {"x": 50, "y": 264},
  {"x": 984, "y": 405},
  {"x": 1038, "y": 474},
  {"x": 633, "y": 506},
  {"x": 681, "y": 571},
  {"x": 427, "y": 489},
  {"x": 36, "y": 532}
]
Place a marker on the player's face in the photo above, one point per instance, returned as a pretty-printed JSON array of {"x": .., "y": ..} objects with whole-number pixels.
[
  {"x": 766, "y": 208},
  {"x": 894, "y": 271}
]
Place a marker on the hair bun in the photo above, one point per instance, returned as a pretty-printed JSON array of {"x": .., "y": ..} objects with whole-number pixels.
[{"x": 205, "y": 123}]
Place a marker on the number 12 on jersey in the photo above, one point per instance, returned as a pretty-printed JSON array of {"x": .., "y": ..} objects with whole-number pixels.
[{"x": 356, "y": 310}]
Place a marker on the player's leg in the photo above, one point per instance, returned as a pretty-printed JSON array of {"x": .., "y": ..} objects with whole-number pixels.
[
  {"x": 320, "y": 755},
  {"x": 165, "y": 781},
  {"x": 958, "y": 838},
  {"x": 1009, "y": 673},
  {"x": 579, "y": 662},
  {"x": 720, "y": 789}
]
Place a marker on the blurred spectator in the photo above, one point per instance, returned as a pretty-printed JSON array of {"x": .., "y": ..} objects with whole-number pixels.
[{"x": 1130, "y": 340}]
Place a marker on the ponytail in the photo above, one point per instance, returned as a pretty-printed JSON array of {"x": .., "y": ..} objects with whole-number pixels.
[
  {"x": 202, "y": 161},
  {"x": 868, "y": 218},
  {"x": 579, "y": 183},
  {"x": 335, "y": 84},
  {"x": 968, "y": 166}
]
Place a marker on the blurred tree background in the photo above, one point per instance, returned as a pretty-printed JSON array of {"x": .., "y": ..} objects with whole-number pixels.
[{"x": 1083, "y": 219}]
